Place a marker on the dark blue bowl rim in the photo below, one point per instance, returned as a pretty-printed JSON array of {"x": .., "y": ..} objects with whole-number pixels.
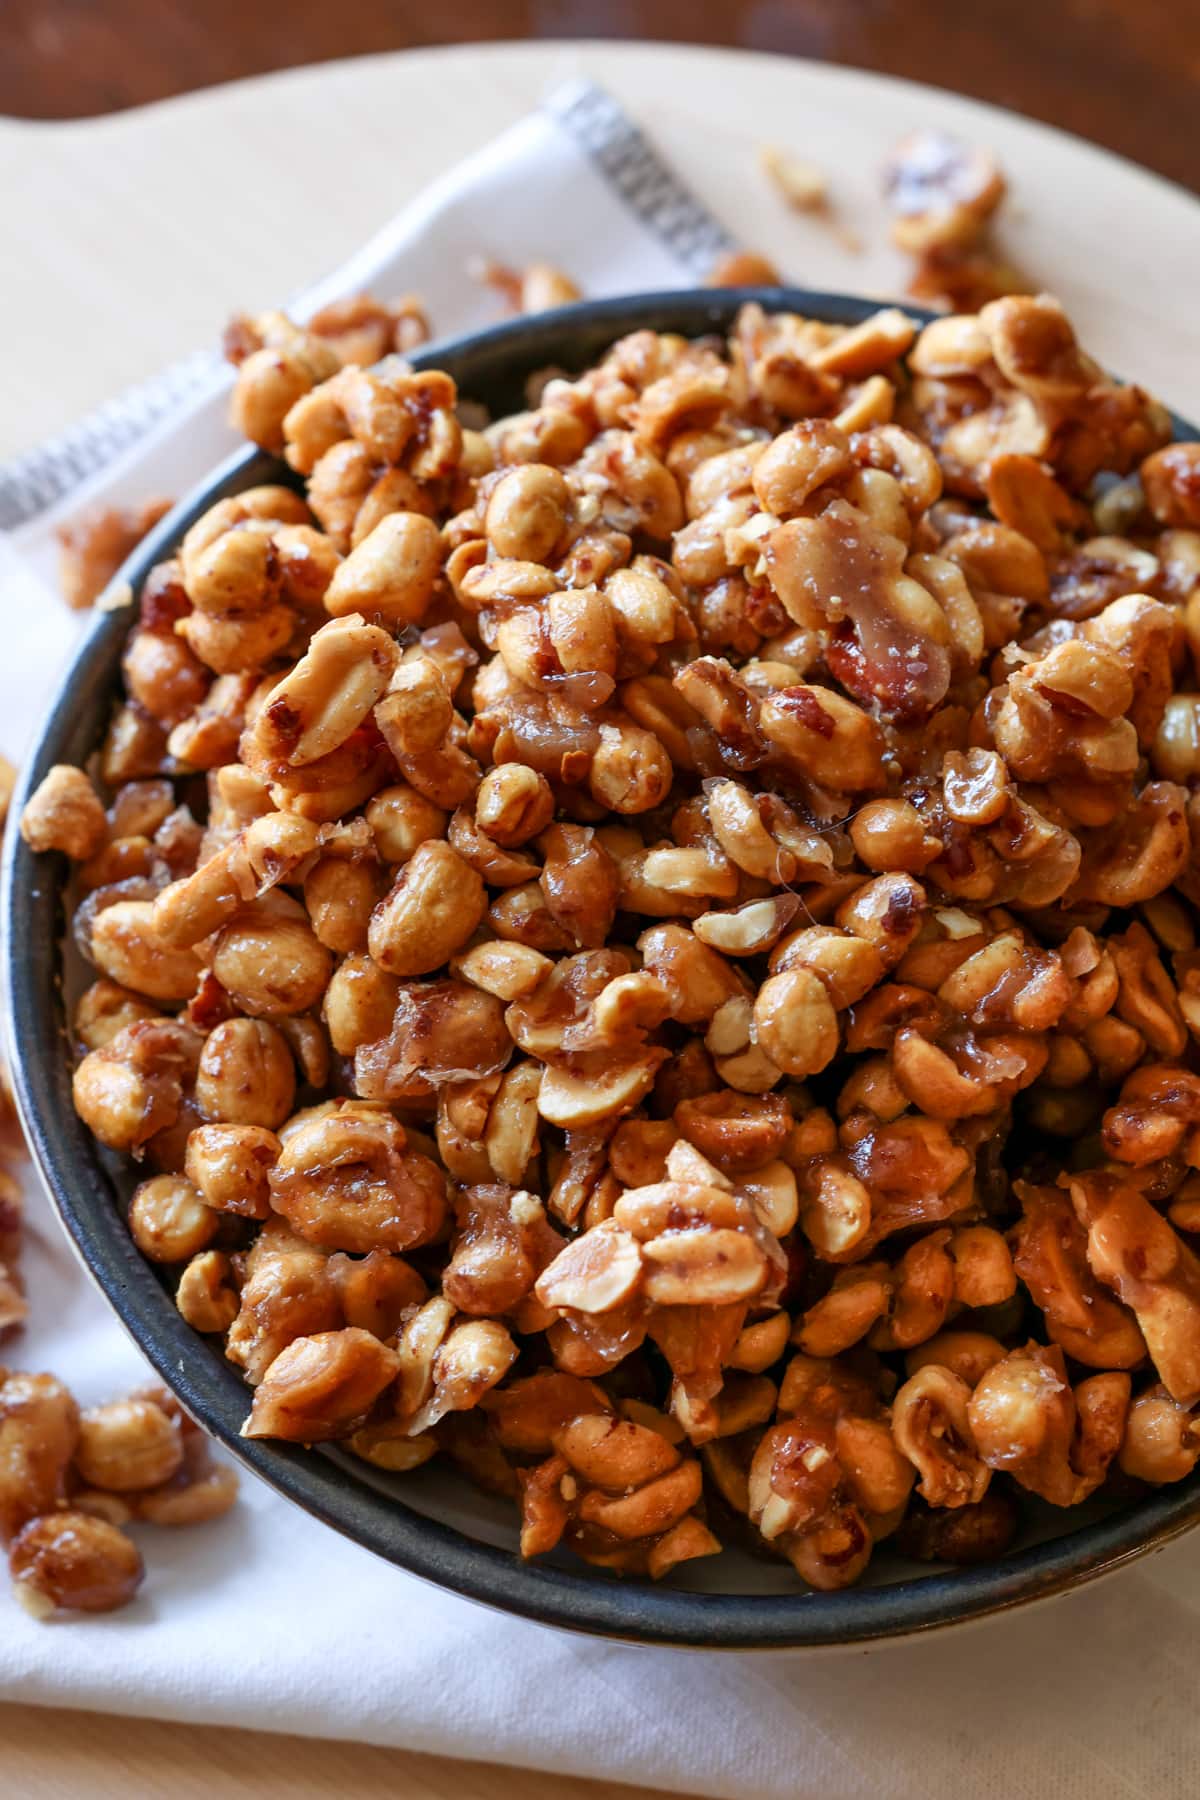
[{"x": 211, "y": 1389}]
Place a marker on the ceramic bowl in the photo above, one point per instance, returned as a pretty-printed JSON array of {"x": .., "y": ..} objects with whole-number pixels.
[{"x": 432, "y": 1522}]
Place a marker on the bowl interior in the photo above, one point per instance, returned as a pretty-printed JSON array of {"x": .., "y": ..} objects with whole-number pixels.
[{"x": 432, "y": 1522}]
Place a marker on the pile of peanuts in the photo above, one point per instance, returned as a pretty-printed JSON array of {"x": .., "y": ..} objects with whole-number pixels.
[
  {"x": 648, "y": 950},
  {"x": 70, "y": 1481}
]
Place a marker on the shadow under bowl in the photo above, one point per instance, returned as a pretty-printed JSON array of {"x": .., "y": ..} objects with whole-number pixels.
[{"x": 406, "y": 1520}]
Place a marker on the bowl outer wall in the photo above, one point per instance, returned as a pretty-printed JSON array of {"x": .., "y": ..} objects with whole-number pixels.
[{"x": 489, "y": 365}]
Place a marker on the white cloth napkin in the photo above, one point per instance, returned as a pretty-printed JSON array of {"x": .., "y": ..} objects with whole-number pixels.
[{"x": 269, "y": 1620}]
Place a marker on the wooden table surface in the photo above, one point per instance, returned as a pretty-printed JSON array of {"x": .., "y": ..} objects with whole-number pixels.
[
  {"x": 1116, "y": 73},
  {"x": 58, "y": 1755},
  {"x": 62, "y": 57}
]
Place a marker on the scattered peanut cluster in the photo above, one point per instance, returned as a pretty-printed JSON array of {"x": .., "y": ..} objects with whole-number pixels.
[
  {"x": 649, "y": 949},
  {"x": 944, "y": 196},
  {"x": 94, "y": 543},
  {"x": 70, "y": 1482}
]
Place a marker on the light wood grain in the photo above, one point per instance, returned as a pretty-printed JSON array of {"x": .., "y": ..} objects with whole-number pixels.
[{"x": 54, "y": 1755}]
